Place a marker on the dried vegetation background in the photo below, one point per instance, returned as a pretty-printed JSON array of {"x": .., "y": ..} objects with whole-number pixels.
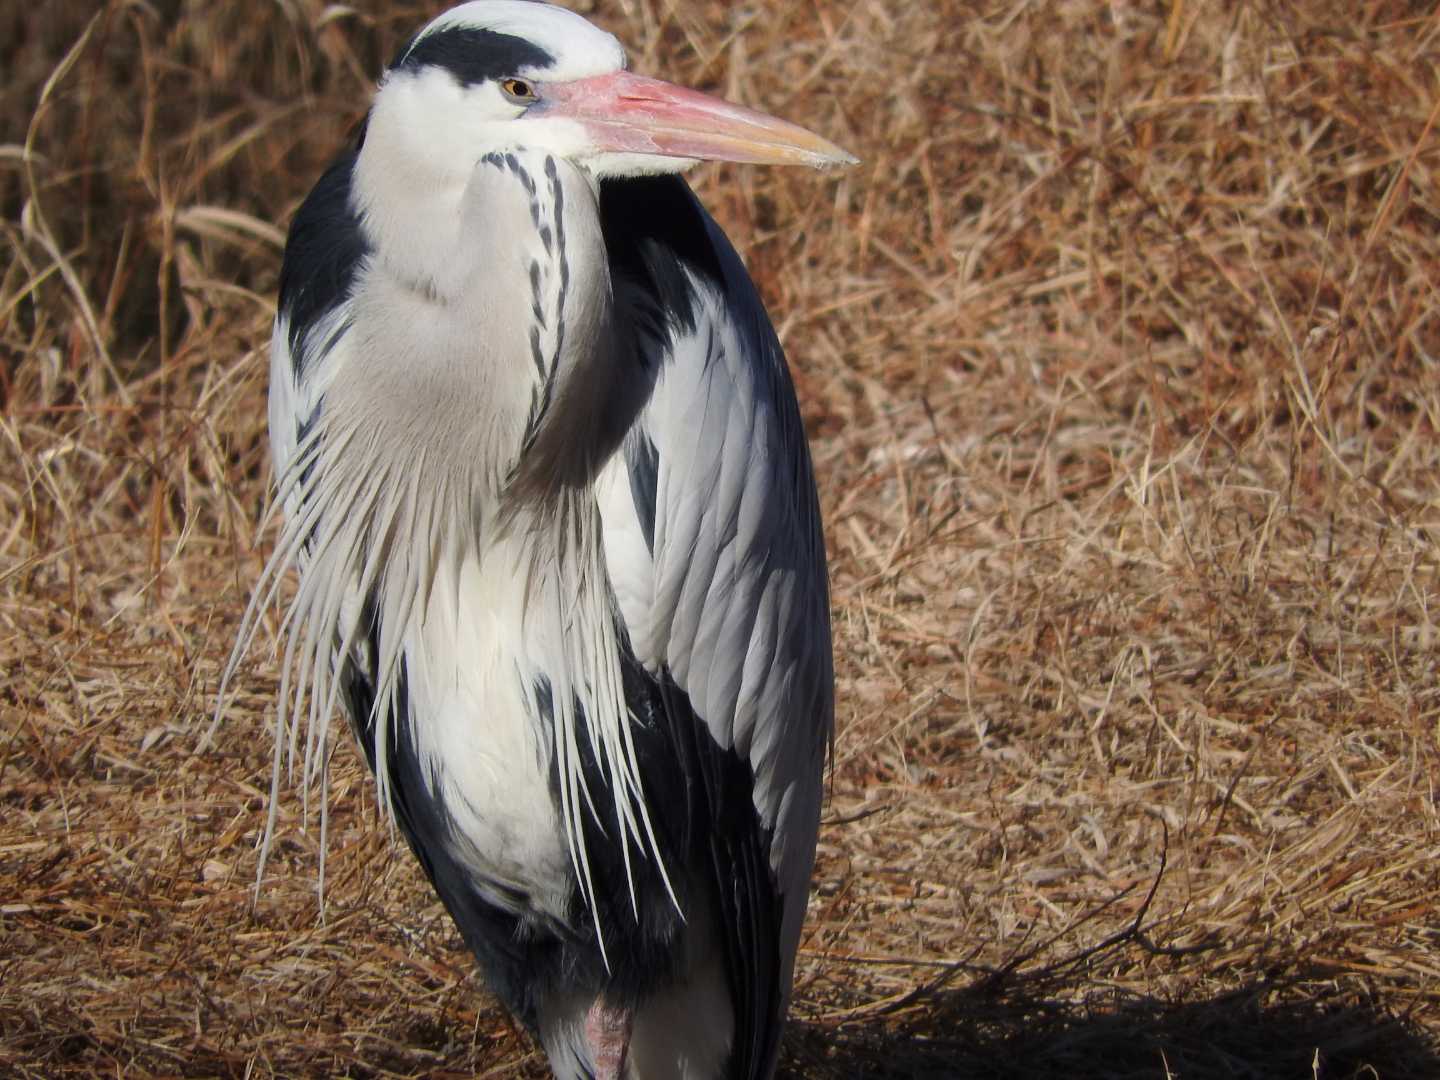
[{"x": 1121, "y": 359}]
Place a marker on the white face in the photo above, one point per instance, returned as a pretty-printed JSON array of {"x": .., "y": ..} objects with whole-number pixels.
[
  {"x": 468, "y": 84},
  {"x": 496, "y": 75}
]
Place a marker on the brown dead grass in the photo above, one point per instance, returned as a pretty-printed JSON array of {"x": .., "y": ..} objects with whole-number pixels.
[{"x": 1121, "y": 356}]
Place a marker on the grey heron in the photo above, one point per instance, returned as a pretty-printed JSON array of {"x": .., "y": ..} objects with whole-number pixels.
[{"x": 559, "y": 549}]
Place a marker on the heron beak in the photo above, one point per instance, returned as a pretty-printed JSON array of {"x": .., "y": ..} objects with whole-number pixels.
[{"x": 633, "y": 114}]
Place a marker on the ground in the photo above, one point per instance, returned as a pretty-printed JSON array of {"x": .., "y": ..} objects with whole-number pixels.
[{"x": 1120, "y": 359}]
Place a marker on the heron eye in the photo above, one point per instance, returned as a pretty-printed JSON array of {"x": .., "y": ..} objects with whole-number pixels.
[{"x": 518, "y": 90}]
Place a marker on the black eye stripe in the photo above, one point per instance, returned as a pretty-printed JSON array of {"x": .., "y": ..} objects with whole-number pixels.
[{"x": 473, "y": 56}]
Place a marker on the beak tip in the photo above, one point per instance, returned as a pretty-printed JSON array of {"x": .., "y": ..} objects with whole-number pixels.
[{"x": 835, "y": 158}]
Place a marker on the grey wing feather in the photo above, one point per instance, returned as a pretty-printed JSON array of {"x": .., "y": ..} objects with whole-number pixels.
[
  {"x": 715, "y": 551},
  {"x": 736, "y": 605}
]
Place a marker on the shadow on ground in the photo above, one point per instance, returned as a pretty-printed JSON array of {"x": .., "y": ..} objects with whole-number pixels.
[{"x": 1309, "y": 1029}]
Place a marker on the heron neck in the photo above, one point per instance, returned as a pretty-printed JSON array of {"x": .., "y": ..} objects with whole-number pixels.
[{"x": 485, "y": 318}]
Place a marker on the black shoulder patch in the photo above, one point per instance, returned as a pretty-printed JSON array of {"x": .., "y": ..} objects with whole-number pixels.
[
  {"x": 653, "y": 226},
  {"x": 472, "y": 55},
  {"x": 323, "y": 253}
]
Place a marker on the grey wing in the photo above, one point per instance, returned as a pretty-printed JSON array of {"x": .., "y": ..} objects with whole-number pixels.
[{"x": 714, "y": 547}]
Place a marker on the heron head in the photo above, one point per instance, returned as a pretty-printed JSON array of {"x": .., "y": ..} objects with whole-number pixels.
[{"x": 495, "y": 75}]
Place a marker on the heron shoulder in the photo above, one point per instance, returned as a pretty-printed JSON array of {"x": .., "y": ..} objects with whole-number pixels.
[{"x": 324, "y": 252}]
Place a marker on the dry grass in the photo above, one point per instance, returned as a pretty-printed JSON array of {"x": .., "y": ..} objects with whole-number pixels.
[{"x": 1121, "y": 356}]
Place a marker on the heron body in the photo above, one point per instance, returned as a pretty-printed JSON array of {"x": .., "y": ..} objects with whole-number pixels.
[{"x": 560, "y": 555}]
